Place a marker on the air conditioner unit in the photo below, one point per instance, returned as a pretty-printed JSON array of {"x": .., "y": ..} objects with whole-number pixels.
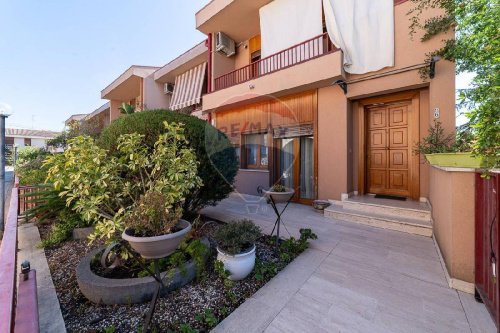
[
  {"x": 168, "y": 88},
  {"x": 224, "y": 44}
]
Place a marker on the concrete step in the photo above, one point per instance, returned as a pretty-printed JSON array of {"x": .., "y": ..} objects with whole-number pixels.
[
  {"x": 409, "y": 225},
  {"x": 397, "y": 209}
]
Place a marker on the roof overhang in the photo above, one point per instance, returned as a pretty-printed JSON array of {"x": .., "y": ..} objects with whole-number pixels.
[
  {"x": 128, "y": 85},
  {"x": 190, "y": 59},
  {"x": 239, "y": 19},
  {"x": 98, "y": 111}
]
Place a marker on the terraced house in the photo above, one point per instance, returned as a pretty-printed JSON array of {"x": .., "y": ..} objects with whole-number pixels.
[{"x": 333, "y": 107}]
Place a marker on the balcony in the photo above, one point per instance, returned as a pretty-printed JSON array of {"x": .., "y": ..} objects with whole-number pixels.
[
  {"x": 297, "y": 54},
  {"x": 311, "y": 64}
]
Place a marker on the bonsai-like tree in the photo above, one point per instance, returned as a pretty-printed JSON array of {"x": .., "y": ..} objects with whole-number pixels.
[{"x": 108, "y": 188}]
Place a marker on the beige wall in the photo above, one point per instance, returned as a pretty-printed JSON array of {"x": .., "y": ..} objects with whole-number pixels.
[
  {"x": 154, "y": 97},
  {"x": 247, "y": 181},
  {"x": 114, "y": 112},
  {"x": 451, "y": 195}
]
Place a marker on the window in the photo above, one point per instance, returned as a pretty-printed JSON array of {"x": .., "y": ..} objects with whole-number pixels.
[
  {"x": 256, "y": 151},
  {"x": 237, "y": 150},
  {"x": 27, "y": 141}
]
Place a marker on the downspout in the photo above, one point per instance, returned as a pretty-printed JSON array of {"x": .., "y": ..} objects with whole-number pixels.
[
  {"x": 210, "y": 64},
  {"x": 209, "y": 71}
]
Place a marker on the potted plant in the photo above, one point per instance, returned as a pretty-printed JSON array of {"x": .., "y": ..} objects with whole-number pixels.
[
  {"x": 448, "y": 150},
  {"x": 279, "y": 193},
  {"x": 236, "y": 247},
  {"x": 152, "y": 229}
]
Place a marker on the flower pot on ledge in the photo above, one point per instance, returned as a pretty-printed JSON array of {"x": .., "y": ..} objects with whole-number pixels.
[
  {"x": 455, "y": 160},
  {"x": 158, "y": 246}
]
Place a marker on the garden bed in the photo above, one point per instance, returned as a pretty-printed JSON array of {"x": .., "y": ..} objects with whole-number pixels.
[{"x": 199, "y": 305}]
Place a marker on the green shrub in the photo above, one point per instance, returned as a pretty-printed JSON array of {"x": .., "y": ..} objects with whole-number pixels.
[
  {"x": 29, "y": 165},
  {"x": 218, "y": 163},
  {"x": 106, "y": 188},
  {"x": 237, "y": 236},
  {"x": 62, "y": 229}
]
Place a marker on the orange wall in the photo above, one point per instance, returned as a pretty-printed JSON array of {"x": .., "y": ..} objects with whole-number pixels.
[
  {"x": 333, "y": 154},
  {"x": 451, "y": 195}
]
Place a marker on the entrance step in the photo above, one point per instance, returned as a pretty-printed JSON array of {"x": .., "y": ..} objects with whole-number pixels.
[{"x": 412, "y": 217}]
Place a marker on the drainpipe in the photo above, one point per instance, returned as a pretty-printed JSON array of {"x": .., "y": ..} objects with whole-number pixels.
[{"x": 209, "y": 69}]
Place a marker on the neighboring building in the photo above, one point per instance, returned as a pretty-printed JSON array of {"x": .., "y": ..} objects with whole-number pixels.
[
  {"x": 74, "y": 118},
  {"x": 185, "y": 80},
  {"x": 28, "y": 137},
  {"x": 136, "y": 86}
]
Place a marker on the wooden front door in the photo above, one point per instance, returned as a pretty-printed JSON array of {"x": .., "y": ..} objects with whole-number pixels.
[{"x": 391, "y": 129}]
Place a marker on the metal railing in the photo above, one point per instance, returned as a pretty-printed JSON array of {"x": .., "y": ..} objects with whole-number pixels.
[
  {"x": 19, "y": 306},
  {"x": 297, "y": 54}
]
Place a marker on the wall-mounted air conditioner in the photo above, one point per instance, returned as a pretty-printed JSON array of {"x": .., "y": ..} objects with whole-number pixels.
[
  {"x": 224, "y": 44},
  {"x": 168, "y": 88}
]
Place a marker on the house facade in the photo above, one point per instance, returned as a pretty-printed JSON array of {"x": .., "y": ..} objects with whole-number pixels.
[
  {"x": 28, "y": 137},
  {"x": 293, "y": 125}
]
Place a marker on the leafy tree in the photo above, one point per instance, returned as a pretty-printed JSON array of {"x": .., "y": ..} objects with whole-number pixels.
[{"x": 476, "y": 49}]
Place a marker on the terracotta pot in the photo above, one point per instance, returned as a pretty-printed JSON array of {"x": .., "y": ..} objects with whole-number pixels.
[
  {"x": 239, "y": 265},
  {"x": 279, "y": 197},
  {"x": 158, "y": 246}
]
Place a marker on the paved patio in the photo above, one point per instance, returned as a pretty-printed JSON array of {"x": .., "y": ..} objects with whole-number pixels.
[{"x": 354, "y": 278}]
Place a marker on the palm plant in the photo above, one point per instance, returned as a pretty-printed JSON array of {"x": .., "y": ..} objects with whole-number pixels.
[{"x": 127, "y": 108}]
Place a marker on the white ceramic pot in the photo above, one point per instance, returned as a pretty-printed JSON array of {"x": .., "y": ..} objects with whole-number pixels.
[
  {"x": 239, "y": 265},
  {"x": 158, "y": 246},
  {"x": 279, "y": 197}
]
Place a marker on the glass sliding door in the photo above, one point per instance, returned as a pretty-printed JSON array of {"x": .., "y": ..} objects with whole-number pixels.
[
  {"x": 296, "y": 166},
  {"x": 307, "y": 190},
  {"x": 287, "y": 160}
]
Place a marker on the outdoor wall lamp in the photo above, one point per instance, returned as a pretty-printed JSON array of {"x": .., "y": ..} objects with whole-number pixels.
[
  {"x": 342, "y": 84},
  {"x": 432, "y": 66}
]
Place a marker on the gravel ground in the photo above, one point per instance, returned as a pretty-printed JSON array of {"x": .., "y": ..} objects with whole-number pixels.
[{"x": 175, "y": 309}]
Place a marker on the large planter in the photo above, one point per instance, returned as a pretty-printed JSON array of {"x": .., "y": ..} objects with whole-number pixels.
[
  {"x": 158, "y": 246},
  {"x": 102, "y": 290},
  {"x": 457, "y": 160},
  {"x": 239, "y": 265},
  {"x": 279, "y": 197}
]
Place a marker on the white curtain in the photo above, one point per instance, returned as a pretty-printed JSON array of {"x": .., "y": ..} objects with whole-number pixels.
[
  {"x": 364, "y": 31},
  {"x": 285, "y": 23}
]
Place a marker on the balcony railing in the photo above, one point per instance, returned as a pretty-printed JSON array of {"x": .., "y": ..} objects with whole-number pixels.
[{"x": 297, "y": 54}]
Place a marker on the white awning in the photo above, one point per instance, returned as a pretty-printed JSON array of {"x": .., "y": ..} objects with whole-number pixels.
[
  {"x": 188, "y": 88},
  {"x": 286, "y": 23},
  {"x": 364, "y": 31}
]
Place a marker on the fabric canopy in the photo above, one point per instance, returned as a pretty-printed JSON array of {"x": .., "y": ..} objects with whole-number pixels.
[
  {"x": 364, "y": 31},
  {"x": 188, "y": 88},
  {"x": 285, "y": 23}
]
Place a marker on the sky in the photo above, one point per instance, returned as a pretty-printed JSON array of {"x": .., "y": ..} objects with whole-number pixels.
[{"x": 57, "y": 55}]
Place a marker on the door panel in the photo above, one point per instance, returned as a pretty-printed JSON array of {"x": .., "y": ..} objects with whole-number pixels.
[
  {"x": 398, "y": 137},
  {"x": 377, "y": 139},
  {"x": 378, "y": 159},
  {"x": 398, "y": 159},
  {"x": 377, "y": 119},
  {"x": 388, "y": 149}
]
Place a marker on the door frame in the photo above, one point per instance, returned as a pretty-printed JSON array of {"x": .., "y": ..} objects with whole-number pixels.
[{"x": 414, "y": 137}]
